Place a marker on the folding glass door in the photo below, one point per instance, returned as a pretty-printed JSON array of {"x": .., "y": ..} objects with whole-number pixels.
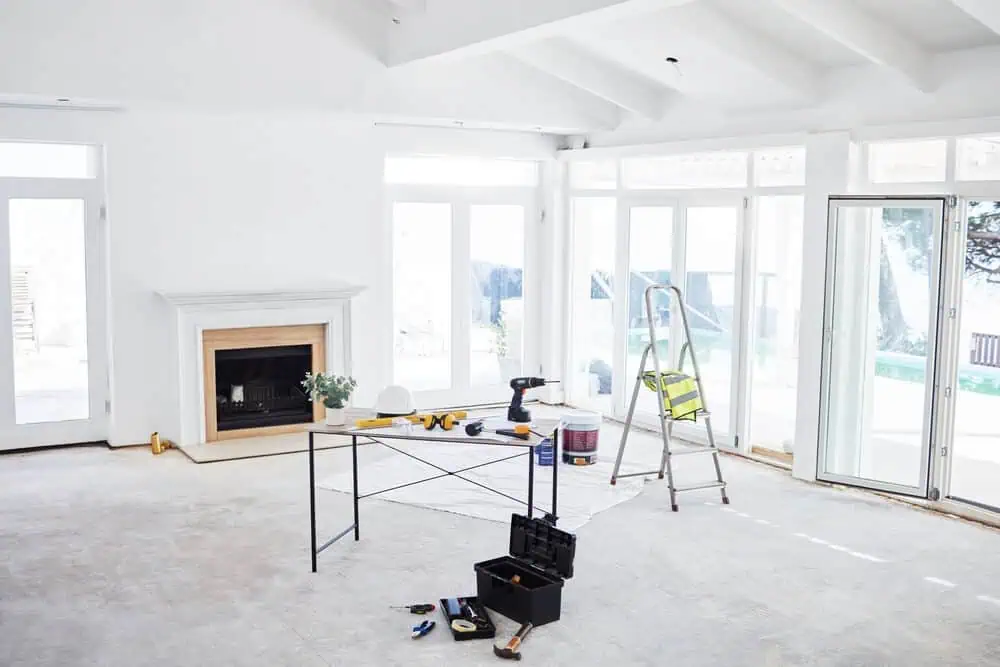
[
  {"x": 53, "y": 351},
  {"x": 462, "y": 296},
  {"x": 881, "y": 333},
  {"x": 970, "y": 434}
]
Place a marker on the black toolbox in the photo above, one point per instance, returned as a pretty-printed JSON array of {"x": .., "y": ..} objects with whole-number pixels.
[{"x": 526, "y": 586}]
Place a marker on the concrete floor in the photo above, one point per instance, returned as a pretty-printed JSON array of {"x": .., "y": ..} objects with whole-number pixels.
[{"x": 119, "y": 558}]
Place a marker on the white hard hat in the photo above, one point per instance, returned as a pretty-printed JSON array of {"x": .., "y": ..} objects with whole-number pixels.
[{"x": 394, "y": 401}]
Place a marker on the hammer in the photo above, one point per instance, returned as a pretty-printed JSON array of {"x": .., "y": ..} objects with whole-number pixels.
[{"x": 510, "y": 652}]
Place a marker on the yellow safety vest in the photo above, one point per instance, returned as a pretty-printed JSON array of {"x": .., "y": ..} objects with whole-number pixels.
[{"x": 681, "y": 399}]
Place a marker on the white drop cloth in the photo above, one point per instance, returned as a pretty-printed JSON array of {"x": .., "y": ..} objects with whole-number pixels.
[{"x": 583, "y": 490}]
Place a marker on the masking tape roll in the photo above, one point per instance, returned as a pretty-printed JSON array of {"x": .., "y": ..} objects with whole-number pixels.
[{"x": 462, "y": 625}]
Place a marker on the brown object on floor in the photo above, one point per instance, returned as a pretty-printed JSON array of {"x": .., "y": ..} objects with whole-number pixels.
[
  {"x": 774, "y": 455},
  {"x": 510, "y": 651}
]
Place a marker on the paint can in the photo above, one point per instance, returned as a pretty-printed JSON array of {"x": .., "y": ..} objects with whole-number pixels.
[{"x": 580, "y": 434}]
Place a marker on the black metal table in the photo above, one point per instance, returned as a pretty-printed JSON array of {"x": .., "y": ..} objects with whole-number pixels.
[{"x": 379, "y": 436}]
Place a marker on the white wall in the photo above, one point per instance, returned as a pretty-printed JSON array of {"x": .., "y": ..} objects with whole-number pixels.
[{"x": 202, "y": 203}]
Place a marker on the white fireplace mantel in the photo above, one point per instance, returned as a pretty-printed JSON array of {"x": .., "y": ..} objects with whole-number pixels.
[
  {"x": 254, "y": 298},
  {"x": 194, "y": 312}
]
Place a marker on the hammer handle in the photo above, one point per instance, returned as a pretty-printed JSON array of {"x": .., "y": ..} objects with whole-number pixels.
[{"x": 519, "y": 636}]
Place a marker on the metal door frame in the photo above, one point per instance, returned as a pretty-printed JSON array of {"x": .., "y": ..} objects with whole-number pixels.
[{"x": 937, "y": 271}]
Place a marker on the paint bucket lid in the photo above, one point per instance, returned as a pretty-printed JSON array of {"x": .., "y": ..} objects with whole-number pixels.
[{"x": 582, "y": 420}]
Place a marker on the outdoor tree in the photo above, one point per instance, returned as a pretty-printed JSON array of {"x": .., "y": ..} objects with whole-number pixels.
[{"x": 910, "y": 230}]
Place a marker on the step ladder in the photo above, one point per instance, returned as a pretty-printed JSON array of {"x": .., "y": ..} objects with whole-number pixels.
[{"x": 667, "y": 421}]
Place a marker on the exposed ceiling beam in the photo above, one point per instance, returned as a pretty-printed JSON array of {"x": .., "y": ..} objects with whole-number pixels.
[
  {"x": 495, "y": 91},
  {"x": 573, "y": 64},
  {"x": 755, "y": 50},
  {"x": 986, "y": 12},
  {"x": 454, "y": 28},
  {"x": 859, "y": 31}
]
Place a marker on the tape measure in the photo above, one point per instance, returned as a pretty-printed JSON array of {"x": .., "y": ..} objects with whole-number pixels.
[{"x": 462, "y": 625}]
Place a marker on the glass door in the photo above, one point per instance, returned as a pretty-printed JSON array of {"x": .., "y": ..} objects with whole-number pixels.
[
  {"x": 880, "y": 335},
  {"x": 53, "y": 352},
  {"x": 695, "y": 245},
  {"x": 974, "y": 429},
  {"x": 592, "y": 297},
  {"x": 462, "y": 304}
]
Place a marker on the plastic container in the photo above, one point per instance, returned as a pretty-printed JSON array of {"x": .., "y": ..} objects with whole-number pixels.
[
  {"x": 488, "y": 631},
  {"x": 526, "y": 586},
  {"x": 580, "y": 435},
  {"x": 544, "y": 452}
]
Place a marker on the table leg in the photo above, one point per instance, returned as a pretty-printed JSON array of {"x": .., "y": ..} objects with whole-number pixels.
[
  {"x": 354, "y": 455},
  {"x": 531, "y": 482},
  {"x": 555, "y": 474},
  {"x": 312, "y": 500}
]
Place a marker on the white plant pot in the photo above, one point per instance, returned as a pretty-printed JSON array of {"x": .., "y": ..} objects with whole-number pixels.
[{"x": 335, "y": 417}]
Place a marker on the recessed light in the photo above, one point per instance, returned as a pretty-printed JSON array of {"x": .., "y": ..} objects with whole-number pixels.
[{"x": 396, "y": 20}]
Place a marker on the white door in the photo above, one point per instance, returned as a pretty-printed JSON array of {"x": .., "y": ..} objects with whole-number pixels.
[
  {"x": 464, "y": 305},
  {"x": 697, "y": 245},
  {"x": 53, "y": 341}
]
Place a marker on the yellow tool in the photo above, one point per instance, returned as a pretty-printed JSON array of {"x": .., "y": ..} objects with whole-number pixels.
[
  {"x": 446, "y": 421},
  {"x": 415, "y": 419}
]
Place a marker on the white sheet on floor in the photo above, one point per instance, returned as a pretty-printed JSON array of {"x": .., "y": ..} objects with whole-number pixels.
[{"x": 583, "y": 490}]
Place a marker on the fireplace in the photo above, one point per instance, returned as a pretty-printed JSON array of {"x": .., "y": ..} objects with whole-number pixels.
[
  {"x": 260, "y": 386},
  {"x": 253, "y": 379}
]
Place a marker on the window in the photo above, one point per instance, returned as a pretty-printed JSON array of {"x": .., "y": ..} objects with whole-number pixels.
[
  {"x": 705, "y": 170},
  {"x": 777, "y": 292},
  {"x": 496, "y": 336},
  {"x": 24, "y": 160},
  {"x": 908, "y": 161},
  {"x": 422, "y": 295},
  {"x": 593, "y": 292},
  {"x": 776, "y": 167},
  {"x": 979, "y": 159},
  {"x": 593, "y": 175},
  {"x": 461, "y": 171}
]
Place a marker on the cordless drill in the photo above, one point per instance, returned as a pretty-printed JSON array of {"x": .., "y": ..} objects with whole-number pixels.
[{"x": 516, "y": 412}]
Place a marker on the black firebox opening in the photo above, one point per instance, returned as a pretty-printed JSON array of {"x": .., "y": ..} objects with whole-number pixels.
[{"x": 261, "y": 386}]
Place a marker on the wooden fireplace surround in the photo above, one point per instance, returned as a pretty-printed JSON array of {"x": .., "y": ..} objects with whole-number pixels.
[{"x": 241, "y": 339}]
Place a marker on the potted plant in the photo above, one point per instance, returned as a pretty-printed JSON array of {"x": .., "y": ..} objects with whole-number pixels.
[
  {"x": 508, "y": 367},
  {"x": 333, "y": 390}
]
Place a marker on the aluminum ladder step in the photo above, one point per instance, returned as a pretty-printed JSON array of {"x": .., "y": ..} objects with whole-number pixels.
[
  {"x": 694, "y": 450},
  {"x": 703, "y": 485}
]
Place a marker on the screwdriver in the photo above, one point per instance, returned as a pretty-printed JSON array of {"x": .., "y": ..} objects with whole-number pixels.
[{"x": 419, "y": 609}]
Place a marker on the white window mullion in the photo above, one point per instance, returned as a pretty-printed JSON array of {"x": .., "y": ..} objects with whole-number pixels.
[
  {"x": 618, "y": 356},
  {"x": 461, "y": 267}
]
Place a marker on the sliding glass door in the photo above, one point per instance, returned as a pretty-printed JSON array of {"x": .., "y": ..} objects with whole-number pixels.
[
  {"x": 462, "y": 296},
  {"x": 53, "y": 348},
  {"x": 882, "y": 318}
]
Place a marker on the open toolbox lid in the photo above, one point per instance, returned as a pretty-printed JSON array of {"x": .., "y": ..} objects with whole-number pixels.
[{"x": 542, "y": 545}]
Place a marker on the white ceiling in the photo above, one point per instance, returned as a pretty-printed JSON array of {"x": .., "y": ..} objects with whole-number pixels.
[{"x": 565, "y": 66}]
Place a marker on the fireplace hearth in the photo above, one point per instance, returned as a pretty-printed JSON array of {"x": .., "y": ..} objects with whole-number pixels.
[{"x": 260, "y": 386}]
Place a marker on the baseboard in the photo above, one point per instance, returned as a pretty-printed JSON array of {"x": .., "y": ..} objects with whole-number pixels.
[{"x": 46, "y": 448}]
